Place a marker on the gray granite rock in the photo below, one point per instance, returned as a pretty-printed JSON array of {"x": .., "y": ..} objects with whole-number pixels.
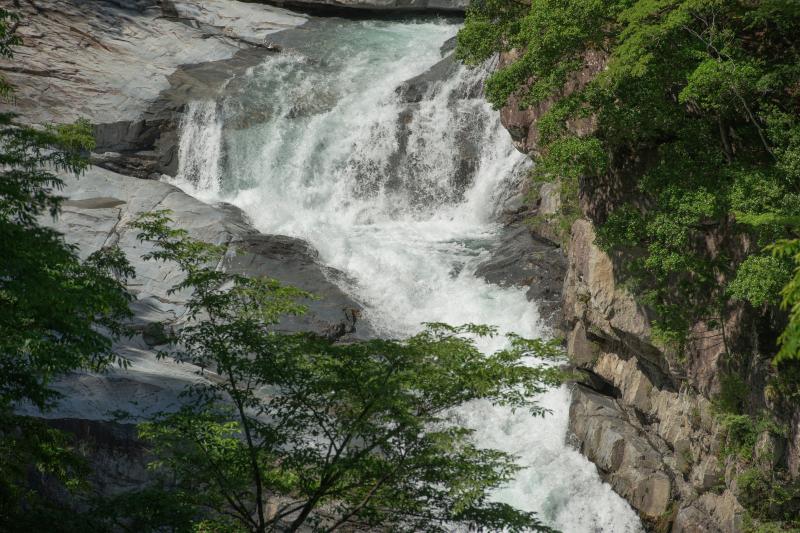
[
  {"x": 108, "y": 61},
  {"x": 436, "y": 84},
  {"x": 626, "y": 458},
  {"x": 129, "y": 66},
  {"x": 100, "y": 207},
  {"x": 418, "y": 87}
]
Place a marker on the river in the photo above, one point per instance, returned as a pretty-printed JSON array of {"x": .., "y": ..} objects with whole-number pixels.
[{"x": 316, "y": 143}]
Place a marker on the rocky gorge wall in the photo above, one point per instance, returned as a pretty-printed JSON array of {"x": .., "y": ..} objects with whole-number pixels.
[
  {"x": 130, "y": 66},
  {"x": 645, "y": 419}
]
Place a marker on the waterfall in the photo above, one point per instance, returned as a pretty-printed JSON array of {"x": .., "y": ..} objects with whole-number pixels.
[
  {"x": 396, "y": 185},
  {"x": 200, "y": 146}
]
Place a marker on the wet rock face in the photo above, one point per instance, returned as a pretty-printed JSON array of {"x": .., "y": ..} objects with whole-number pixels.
[
  {"x": 415, "y": 89},
  {"x": 100, "y": 207},
  {"x": 522, "y": 260},
  {"x": 461, "y": 99},
  {"x": 294, "y": 262}
]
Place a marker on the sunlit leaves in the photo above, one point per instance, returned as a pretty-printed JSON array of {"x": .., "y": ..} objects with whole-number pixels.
[
  {"x": 695, "y": 136},
  {"x": 295, "y": 431},
  {"x": 790, "y": 300}
]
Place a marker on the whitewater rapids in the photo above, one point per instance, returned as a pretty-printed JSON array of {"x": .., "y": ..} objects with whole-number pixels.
[{"x": 308, "y": 144}]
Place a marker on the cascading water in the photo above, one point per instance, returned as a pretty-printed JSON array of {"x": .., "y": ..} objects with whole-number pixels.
[
  {"x": 398, "y": 192},
  {"x": 199, "y": 149}
]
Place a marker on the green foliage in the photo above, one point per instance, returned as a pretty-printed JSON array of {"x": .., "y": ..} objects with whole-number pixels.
[
  {"x": 759, "y": 280},
  {"x": 732, "y": 397},
  {"x": 58, "y": 313},
  {"x": 741, "y": 434},
  {"x": 769, "y": 494},
  {"x": 770, "y": 498},
  {"x": 550, "y": 36},
  {"x": 790, "y": 300},
  {"x": 294, "y": 432},
  {"x": 697, "y": 135},
  {"x": 31, "y": 454},
  {"x": 757, "y": 526}
]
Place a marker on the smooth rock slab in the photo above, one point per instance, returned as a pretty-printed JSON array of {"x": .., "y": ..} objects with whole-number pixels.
[
  {"x": 108, "y": 61},
  {"x": 376, "y": 6},
  {"x": 100, "y": 208}
]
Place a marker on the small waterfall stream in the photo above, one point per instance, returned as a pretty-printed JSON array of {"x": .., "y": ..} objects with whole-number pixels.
[{"x": 400, "y": 193}]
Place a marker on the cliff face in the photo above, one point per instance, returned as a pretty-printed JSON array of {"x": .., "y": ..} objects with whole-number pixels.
[
  {"x": 641, "y": 414},
  {"x": 649, "y": 431}
]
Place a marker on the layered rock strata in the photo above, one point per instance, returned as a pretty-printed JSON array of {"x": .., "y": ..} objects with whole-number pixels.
[{"x": 641, "y": 415}]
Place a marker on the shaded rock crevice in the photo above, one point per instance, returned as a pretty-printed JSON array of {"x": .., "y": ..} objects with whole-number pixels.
[{"x": 522, "y": 259}]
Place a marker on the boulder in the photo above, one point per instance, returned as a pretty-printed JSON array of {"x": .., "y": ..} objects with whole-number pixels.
[
  {"x": 448, "y": 46},
  {"x": 433, "y": 87},
  {"x": 621, "y": 451},
  {"x": 418, "y": 87}
]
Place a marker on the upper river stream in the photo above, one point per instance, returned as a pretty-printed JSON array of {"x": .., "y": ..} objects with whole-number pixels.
[{"x": 401, "y": 192}]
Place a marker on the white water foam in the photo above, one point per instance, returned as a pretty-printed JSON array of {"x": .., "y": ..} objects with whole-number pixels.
[
  {"x": 310, "y": 146},
  {"x": 200, "y": 146}
]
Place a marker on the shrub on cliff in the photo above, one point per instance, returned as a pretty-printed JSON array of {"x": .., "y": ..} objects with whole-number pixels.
[
  {"x": 690, "y": 167},
  {"x": 293, "y": 432},
  {"x": 697, "y": 125}
]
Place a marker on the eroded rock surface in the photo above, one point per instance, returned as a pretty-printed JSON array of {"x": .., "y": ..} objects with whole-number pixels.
[
  {"x": 109, "y": 61},
  {"x": 421, "y": 95},
  {"x": 100, "y": 207},
  {"x": 522, "y": 260},
  {"x": 654, "y": 439},
  {"x": 129, "y": 67},
  {"x": 643, "y": 415}
]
